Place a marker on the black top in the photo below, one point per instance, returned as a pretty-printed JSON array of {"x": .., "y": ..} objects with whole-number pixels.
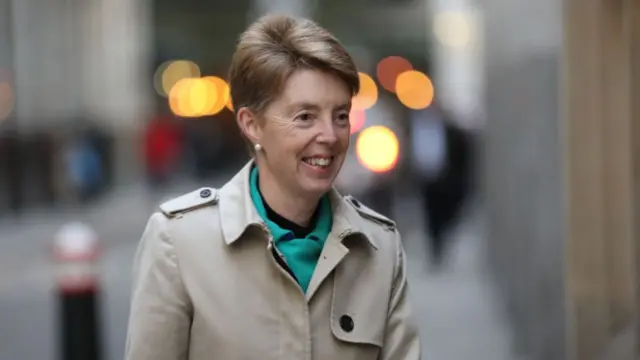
[{"x": 297, "y": 230}]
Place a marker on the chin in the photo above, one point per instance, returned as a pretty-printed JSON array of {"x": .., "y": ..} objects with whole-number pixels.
[{"x": 317, "y": 187}]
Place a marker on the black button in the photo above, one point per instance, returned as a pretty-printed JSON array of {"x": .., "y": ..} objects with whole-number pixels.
[
  {"x": 205, "y": 193},
  {"x": 355, "y": 202},
  {"x": 346, "y": 323}
]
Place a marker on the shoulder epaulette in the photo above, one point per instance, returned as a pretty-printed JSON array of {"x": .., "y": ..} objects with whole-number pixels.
[
  {"x": 189, "y": 202},
  {"x": 370, "y": 214}
]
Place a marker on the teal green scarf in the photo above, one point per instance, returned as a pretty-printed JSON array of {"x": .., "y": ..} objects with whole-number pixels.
[{"x": 301, "y": 254}]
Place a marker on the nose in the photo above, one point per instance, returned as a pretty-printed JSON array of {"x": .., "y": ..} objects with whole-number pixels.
[{"x": 327, "y": 133}]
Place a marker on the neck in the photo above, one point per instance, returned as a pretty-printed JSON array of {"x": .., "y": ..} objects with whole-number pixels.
[{"x": 292, "y": 207}]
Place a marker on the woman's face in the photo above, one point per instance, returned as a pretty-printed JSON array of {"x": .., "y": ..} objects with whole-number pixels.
[{"x": 304, "y": 133}]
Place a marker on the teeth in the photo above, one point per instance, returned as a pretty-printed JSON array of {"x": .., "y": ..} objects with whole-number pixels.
[{"x": 318, "y": 161}]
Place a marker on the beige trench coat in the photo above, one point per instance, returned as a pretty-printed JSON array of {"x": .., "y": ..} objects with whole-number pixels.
[{"x": 209, "y": 284}]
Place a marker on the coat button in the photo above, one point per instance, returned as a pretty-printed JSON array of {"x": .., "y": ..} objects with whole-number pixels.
[
  {"x": 205, "y": 193},
  {"x": 346, "y": 323}
]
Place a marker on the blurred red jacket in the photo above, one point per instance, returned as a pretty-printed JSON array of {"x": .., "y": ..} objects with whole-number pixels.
[{"x": 162, "y": 145}]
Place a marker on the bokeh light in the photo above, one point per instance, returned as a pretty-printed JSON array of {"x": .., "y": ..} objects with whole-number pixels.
[
  {"x": 357, "y": 118},
  {"x": 389, "y": 69},
  {"x": 169, "y": 73},
  {"x": 377, "y": 149},
  {"x": 6, "y": 100},
  {"x": 368, "y": 94},
  {"x": 222, "y": 94},
  {"x": 193, "y": 97},
  {"x": 452, "y": 29},
  {"x": 202, "y": 97},
  {"x": 414, "y": 89},
  {"x": 177, "y": 97}
]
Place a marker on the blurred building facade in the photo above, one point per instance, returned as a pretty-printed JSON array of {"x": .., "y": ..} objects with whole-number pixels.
[
  {"x": 73, "y": 70},
  {"x": 88, "y": 60},
  {"x": 77, "y": 58},
  {"x": 561, "y": 173}
]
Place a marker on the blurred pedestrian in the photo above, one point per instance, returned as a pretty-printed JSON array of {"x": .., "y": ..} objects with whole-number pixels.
[
  {"x": 84, "y": 168},
  {"x": 443, "y": 159},
  {"x": 162, "y": 148},
  {"x": 276, "y": 264}
]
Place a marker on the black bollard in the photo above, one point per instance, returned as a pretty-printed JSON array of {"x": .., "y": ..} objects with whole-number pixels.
[{"x": 76, "y": 254}]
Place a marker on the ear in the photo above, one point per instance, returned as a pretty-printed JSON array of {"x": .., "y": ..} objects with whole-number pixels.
[{"x": 249, "y": 125}]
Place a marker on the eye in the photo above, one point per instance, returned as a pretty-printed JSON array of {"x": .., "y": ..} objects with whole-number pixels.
[
  {"x": 343, "y": 118},
  {"x": 305, "y": 116}
]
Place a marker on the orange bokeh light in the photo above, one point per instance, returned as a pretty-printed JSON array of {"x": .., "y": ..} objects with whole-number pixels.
[
  {"x": 176, "y": 97},
  {"x": 222, "y": 91},
  {"x": 193, "y": 97},
  {"x": 389, "y": 69},
  {"x": 368, "y": 94},
  {"x": 414, "y": 89}
]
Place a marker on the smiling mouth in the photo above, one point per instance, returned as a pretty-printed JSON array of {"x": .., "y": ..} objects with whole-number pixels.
[{"x": 321, "y": 162}]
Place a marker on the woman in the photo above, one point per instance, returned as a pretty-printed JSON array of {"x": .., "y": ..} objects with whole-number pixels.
[{"x": 276, "y": 264}]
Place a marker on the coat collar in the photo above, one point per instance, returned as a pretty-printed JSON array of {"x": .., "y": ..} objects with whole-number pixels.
[{"x": 238, "y": 213}]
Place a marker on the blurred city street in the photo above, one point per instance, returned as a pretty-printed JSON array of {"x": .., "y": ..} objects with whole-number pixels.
[
  {"x": 457, "y": 311},
  {"x": 508, "y": 131}
]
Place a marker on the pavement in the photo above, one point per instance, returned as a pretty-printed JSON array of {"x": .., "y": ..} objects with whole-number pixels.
[
  {"x": 457, "y": 307},
  {"x": 459, "y": 311}
]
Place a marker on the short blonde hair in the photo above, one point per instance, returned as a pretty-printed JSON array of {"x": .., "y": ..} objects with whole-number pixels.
[{"x": 275, "y": 46}]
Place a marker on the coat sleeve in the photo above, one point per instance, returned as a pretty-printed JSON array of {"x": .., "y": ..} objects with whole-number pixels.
[
  {"x": 160, "y": 315},
  {"x": 401, "y": 340}
]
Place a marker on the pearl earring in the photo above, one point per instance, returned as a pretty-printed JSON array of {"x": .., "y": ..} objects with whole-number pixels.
[{"x": 257, "y": 147}]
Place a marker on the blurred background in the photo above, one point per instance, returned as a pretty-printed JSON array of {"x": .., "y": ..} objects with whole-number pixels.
[{"x": 500, "y": 135}]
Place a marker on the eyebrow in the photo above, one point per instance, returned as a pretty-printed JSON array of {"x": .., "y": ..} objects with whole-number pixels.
[{"x": 312, "y": 106}]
